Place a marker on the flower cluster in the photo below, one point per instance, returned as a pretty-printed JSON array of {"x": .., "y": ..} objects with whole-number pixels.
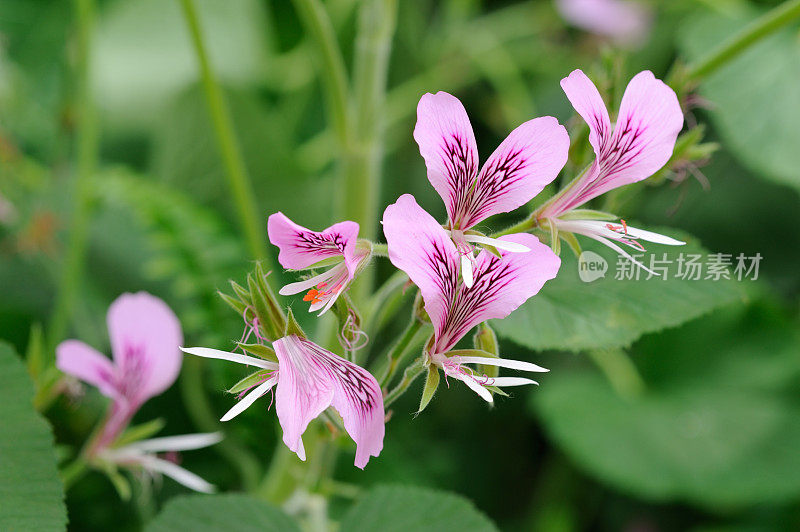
[{"x": 464, "y": 277}]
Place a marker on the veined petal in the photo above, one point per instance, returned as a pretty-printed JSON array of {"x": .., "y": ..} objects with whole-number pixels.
[
  {"x": 510, "y": 381},
  {"x": 145, "y": 335},
  {"x": 302, "y": 286},
  {"x": 311, "y": 379},
  {"x": 419, "y": 246},
  {"x": 301, "y": 247},
  {"x": 502, "y": 363},
  {"x": 447, "y": 143},
  {"x": 648, "y": 124},
  {"x": 87, "y": 364},
  {"x": 249, "y": 399},
  {"x": 586, "y": 99},
  {"x": 653, "y": 237},
  {"x": 524, "y": 163},
  {"x": 501, "y": 285},
  {"x": 643, "y": 139},
  {"x": 176, "y": 473},
  {"x": 185, "y": 442},
  {"x": 207, "y": 352}
]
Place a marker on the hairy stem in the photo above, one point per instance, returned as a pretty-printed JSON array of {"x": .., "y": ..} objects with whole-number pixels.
[
  {"x": 235, "y": 169},
  {"x": 395, "y": 355},
  {"x": 409, "y": 376},
  {"x": 87, "y": 148}
]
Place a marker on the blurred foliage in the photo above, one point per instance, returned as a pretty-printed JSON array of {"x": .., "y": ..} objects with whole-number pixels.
[{"x": 707, "y": 439}]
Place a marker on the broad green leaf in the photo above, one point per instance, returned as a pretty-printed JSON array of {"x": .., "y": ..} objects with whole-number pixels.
[
  {"x": 31, "y": 495},
  {"x": 754, "y": 101},
  {"x": 401, "y": 508},
  {"x": 200, "y": 513},
  {"x": 573, "y": 315},
  {"x": 717, "y": 423}
]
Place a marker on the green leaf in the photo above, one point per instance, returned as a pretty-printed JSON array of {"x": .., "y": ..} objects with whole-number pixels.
[
  {"x": 606, "y": 313},
  {"x": 200, "y": 513},
  {"x": 31, "y": 495},
  {"x": 754, "y": 102},
  {"x": 402, "y": 508},
  {"x": 718, "y": 423}
]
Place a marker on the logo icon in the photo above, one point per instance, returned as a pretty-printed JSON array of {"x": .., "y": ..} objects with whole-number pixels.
[{"x": 591, "y": 266}]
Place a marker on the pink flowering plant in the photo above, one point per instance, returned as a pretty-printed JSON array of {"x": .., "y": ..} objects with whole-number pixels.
[{"x": 355, "y": 318}]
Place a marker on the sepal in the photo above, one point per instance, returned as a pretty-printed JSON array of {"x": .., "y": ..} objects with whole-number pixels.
[
  {"x": 292, "y": 327},
  {"x": 140, "y": 432},
  {"x": 431, "y": 384}
]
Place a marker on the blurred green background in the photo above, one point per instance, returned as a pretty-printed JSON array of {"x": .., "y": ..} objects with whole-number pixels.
[{"x": 700, "y": 432}]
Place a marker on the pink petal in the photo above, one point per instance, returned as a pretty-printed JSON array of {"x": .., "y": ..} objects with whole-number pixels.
[
  {"x": 526, "y": 161},
  {"x": 420, "y": 247},
  {"x": 310, "y": 379},
  {"x": 87, "y": 364},
  {"x": 586, "y": 100},
  {"x": 624, "y": 21},
  {"x": 145, "y": 340},
  {"x": 301, "y": 247},
  {"x": 649, "y": 121},
  {"x": 501, "y": 285},
  {"x": 447, "y": 144}
]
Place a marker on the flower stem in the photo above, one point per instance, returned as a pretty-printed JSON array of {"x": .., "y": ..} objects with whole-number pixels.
[
  {"x": 763, "y": 26},
  {"x": 395, "y": 355},
  {"x": 409, "y": 376},
  {"x": 87, "y": 141},
  {"x": 73, "y": 472},
  {"x": 620, "y": 371},
  {"x": 230, "y": 151}
]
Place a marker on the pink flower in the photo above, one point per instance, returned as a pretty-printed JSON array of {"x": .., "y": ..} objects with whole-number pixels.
[
  {"x": 640, "y": 143},
  {"x": 524, "y": 163},
  {"x": 419, "y": 246},
  {"x": 302, "y": 249},
  {"x": 309, "y": 379},
  {"x": 624, "y": 21},
  {"x": 145, "y": 337}
]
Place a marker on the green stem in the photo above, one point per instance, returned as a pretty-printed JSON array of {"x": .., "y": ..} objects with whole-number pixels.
[
  {"x": 228, "y": 144},
  {"x": 73, "y": 472},
  {"x": 409, "y": 376},
  {"x": 620, "y": 371},
  {"x": 395, "y": 355},
  {"x": 380, "y": 250},
  {"x": 334, "y": 76},
  {"x": 87, "y": 148},
  {"x": 763, "y": 26}
]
